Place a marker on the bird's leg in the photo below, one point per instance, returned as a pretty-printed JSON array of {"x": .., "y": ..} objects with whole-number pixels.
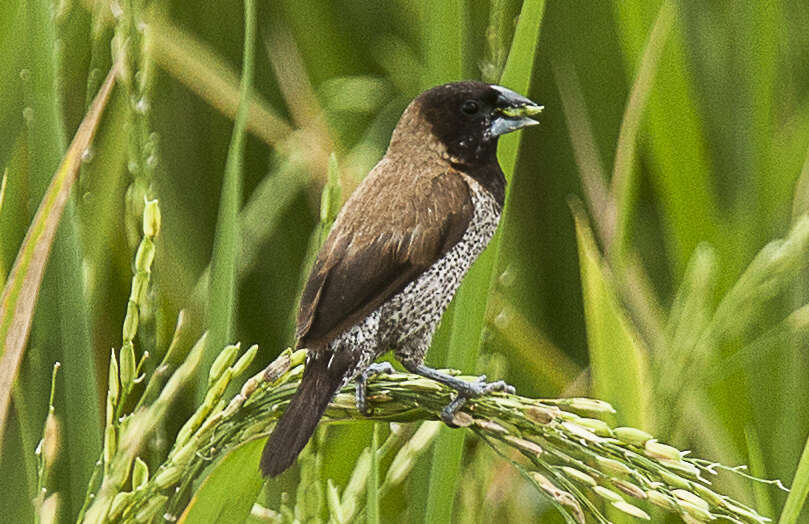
[
  {"x": 377, "y": 368},
  {"x": 466, "y": 390}
]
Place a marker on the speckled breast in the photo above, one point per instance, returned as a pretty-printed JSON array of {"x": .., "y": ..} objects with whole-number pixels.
[{"x": 409, "y": 319}]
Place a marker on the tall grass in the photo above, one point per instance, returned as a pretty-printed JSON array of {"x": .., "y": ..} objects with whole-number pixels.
[
  {"x": 222, "y": 287},
  {"x": 675, "y": 289}
]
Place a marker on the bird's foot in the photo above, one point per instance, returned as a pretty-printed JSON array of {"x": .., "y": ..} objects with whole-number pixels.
[
  {"x": 361, "y": 386},
  {"x": 466, "y": 390},
  {"x": 471, "y": 390},
  {"x": 480, "y": 387}
]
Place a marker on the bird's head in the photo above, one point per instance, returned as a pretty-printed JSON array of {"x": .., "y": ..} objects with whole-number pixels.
[{"x": 465, "y": 119}]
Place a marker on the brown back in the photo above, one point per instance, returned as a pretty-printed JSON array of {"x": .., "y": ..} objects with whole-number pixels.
[{"x": 397, "y": 223}]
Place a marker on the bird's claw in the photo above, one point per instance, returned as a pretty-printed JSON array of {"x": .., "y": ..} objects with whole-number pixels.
[
  {"x": 500, "y": 385},
  {"x": 379, "y": 368},
  {"x": 480, "y": 387},
  {"x": 361, "y": 386},
  {"x": 472, "y": 390}
]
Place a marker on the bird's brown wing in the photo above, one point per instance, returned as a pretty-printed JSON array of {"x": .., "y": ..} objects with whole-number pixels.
[{"x": 381, "y": 241}]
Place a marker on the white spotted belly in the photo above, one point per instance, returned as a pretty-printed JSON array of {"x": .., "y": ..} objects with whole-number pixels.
[{"x": 406, "y": 323}]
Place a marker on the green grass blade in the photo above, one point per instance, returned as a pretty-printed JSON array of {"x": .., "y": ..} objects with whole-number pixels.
[
  {"x": 19, "y": 435},
  {"x": 800, "y": 152},
  {"x": 799, "y": 490},
  {"x": 22, "y": 287},
  {"x": 789, "y": 154},
  {"x": 45, "y": 129},
  {"x": 2, "y": 199},
  {"x": 222, "y": 296},
  {"x": 623, "y": 183},
  {"x": 445, "y": 38},
  {"x": 12, "y": 15},
  {"x": 79, "y": 400},
  {"x": 689, "y": 316},
  {"x": 757, "y": 469},
  {"x": 103, "y": 182},
  {"x": 470, "y": 302},
  {"x": 229, "y": 491},
  {"x": 372, "y": 491},
  {"x": 611, "y": 207},
  {"x": 681, "y": 171},
  {"x": 14, "y": 219},
  {"x": 611, "y": 337},
  {"x": 599, "y": 200},
  {"x": 323, "y": 44},
  {"x": 517, "y": 75},
  {"x": 444, "y": 473},
  {"x": 519, "y": 71},
  {"x": 769, "y": 189},
  {"x": 62, "y": 330}
]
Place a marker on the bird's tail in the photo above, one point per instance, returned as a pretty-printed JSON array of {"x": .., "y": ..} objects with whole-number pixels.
[{"x": 322, "y": 377}]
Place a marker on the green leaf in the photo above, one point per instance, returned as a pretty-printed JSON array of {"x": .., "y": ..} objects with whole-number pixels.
[
  {"x": 681, "y": 171},
  {"x": 611, "y": 337},
  {"x": 229, "y": 491},
  {"x": 22, "y": 287},
  {"x": 470, "y": 302},
  {"x": 372, "y": 491},
  {"x": 61, "y": 328},
  {"x": 3, "y": 181},
  {"x": 798, "y": 492},
  {"x": 12, "y": 16},
  {"x": 222, "y": 295},
  {"x": 623, "y": 183},
  {"x": 519, "y": 71},
  {"x": 445, "y": 41},
  {"x": 757, "y": 469}
]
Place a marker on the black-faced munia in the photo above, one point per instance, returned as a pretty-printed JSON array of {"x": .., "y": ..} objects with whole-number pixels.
[{"x": 398, "y": 251}]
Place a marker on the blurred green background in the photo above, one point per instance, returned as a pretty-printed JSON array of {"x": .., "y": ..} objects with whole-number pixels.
[{"x": 681, "y": 129}]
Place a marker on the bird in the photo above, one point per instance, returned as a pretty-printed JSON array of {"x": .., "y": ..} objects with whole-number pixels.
[{"x": 397, "y": 252}]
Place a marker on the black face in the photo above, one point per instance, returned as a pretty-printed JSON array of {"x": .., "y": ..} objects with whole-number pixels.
[{"x": 468, "y": 117}]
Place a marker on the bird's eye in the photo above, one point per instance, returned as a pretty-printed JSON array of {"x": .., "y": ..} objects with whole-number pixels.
[{"x": 470, "y": 107}]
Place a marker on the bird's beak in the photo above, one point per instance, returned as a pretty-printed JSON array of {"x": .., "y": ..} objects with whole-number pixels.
[{"x": 512, "y": 112}]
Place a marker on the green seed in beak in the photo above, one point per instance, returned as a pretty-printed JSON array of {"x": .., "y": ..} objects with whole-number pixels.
[{"x": 527, "y": 110}]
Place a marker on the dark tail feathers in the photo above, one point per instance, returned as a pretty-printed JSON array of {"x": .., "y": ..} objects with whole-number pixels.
[{"x": 320, "y": 382}]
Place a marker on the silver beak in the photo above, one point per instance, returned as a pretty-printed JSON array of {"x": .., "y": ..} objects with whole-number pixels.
[{"x": 513, "y": 112}]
